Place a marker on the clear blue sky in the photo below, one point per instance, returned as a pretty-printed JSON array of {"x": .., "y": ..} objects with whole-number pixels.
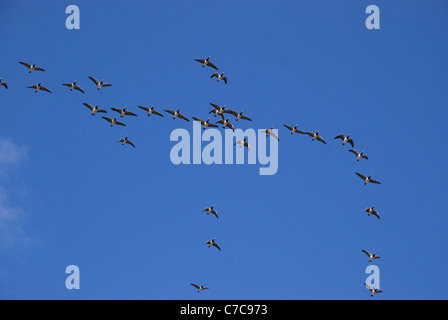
[{"x": 132, "y": 221}]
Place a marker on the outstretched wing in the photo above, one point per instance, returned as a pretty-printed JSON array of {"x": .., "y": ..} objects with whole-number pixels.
[
  {"x": 212, "y": 65},
  {"x": 341, "y": 136},
  {"x": 374, "y": 181},
  {"x": 170, "y": 111},
  {"x": 45, "y": 89},
  {"x": 107, "y": 119},
  {"x": 94, "y": 80},
  {"x": 367, "y": 253},
  {"x": 26, "y": 64},
  {"x": 321, "y": 139},
  {"x": 79, "y": 88},
  {"x": 195, "y": 285},
  {"x": 183, "y": 117},
  {"x": 89, "y": 106},
  {"x": 354, "y": 152},
  {"x": 363, "y": 177},
  {"x": 129, "y": 113}
]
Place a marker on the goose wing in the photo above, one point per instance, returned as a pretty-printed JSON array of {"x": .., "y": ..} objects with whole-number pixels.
[
  {"x": 321, "y": 139},
  {"x": 45, "y": 89},
  {"x": 367, "y": 253},
  {"x": 215, "y": 106},
  {"x": 38, "y": 69},
  {"x": 107, "y": 119},
  {"x": 34, "y": 86},
  {"x": 368, "y": 287},
  {"x": 144, "y": 108},
  {"x": 274, "y": 135},
  {"x": 129, "y": 113},
  {"x": 211, "y": 65},
  {"x": 200, "y": 60},
  {"x": 351, "y": 142},
  {"x": 364, "y": 156},
  {"x": 195, "y": 285},
  {"x": 354, "y": 152},
  {"x": 117, "y": 110},
  {"x": 4, "y": 84},
  {"x": 106, "y": 85},
  {"x": 183, "y": 117},
  {"x": 94, "y": 80},
  {"x": 231, "y": 112},
  {"x": 341, "y": 136},
  {"x": 374, "y": 181},
  {"x": 215, "y": 213},
  {"x": 130, "y": 142},
  {"x": 101, "y": 110},
  {"x": 26, "y": 64},
  {"x": 199, "y": 120},
  {"x": 311, "y": 134},
  {"x": 225, "y": 79},
  {"x": 212, "y": 125},
  {"x": 216, "y": 245},
  {"x": 120, "y": 123},
  {"x": 288, "y": 127},
  {"x": 245, "y": 118},
  {"x": 67, "y": 84},
  {"x": 171, "y": 111},
  {"x": 79, "y": 89},
  {"x": 157, "y": 113},
  {"x": 363, "y": 177},
  {"x": 216, "y": 74},
  {"x": 89, "y": 106}
]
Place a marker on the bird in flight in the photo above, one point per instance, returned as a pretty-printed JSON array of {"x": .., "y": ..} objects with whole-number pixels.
[
  {"x": 345, "y": 139},
  {"x": 101, "y": 84},
  {"x": 126, "y": 140},
  {"x": 113, "y": 121},
  {"x": 220, "y": 77},
  {"x": 226, "y": 123},
  {"x": 373, "y": 212},
  {"x": 213, "y": 243},
  {"x": 358, "y": 155},
  {"x": 211, "y": 210},
  {"x": 94, "y": 109},
  {"x": 316, "y": 136},
  {"x": 206, "y": 62},
  {"x": 205, "y": 124},
  {"x": 243, "y": 143},
  {"x": 238, "y": 115},
  {"x": 269, "y": 132},
  {"x": 218, "y": 111},
  {"x": 372, "y": 290},
  {"x": 200, "y": 288},
  {"x": 177, "y": 114},
  {"x": 73, "y": 86},
  {"x": 2, "y": 83},
  {"x": 294, "y": 129},
  {"x": 38, "y": 87},
  {"x": 123, "y": 112},
  {"x": 371, "y": 256},
  {"x": 367, "y": 179},
  {"x": 151, "y": 111},
  {"x": 31, "y": 67}
]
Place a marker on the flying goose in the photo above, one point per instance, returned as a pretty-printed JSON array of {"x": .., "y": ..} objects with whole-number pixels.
[
  {"x": 294, "y": 129},
  {"x": 371, "y": 256},
  {"x": 73, "y": 86},
  {"x": 367, "y": 179},
  {"x": 316, "y": 136},
  {"x": 3, "y": 83},
  {"x": 238, "y": 115},
  {"x": 358, "y": 155},
  {"x": 177, "y": 114},
  {"x": 218, "y": 111},
  {"x": 345, "y": 139},
  {"x": 113, "y": 121},
  {"x": 269, "y": 132},
  {"x": 219, "y": 77},
  {"x": 126, "y": 140},
  {"x": 200, "y": 288},
  {"x": 100, "y": 84},
  {"x": 213, "y": 243},
  {"x": 31, "y": 67},
  {"x": 123, "y": 112},
  {"x": 372, "y": 211},
  {"x": 243, "y": 143},
  {"x": 226, "y": 123},
  {"x": 151, "y": 111},
  {"x": 94, "y": 109},
  {"x": 39, "y": 87},
  {"x": 205, "y": 124},
  {"x": 211, "y": 210},
  {"x": 372, "y": 291},
  {"x": 206, "y": 62}
]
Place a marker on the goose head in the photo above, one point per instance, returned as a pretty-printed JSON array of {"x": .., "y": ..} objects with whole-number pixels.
[{"x": 208, "y": 58}]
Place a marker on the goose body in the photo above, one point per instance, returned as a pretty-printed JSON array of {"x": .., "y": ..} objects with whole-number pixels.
[
  {"x": 372, "y": 290},
  {"x": 316, "y": 136},
  {"x": 372, "y": 211},
  {"x": 243, "y": 143},
  {"x": 151, "y": 111},
  {"x": 126, "y": 140},
  {"x": 177, "y": 114},
  {"x": 213, "y": 243},
  {"x": 99, "y": 84},
  {"x": 73, "y": 86},
  {"x": 200, "y": 288},
  {"x": 358, "y": 155},
  {"x": 113, "y": 121},
  {"x": 271, "y": 133},
  {"x": 95, "y": 109},
  {"x": 211, "y": 210},
  {"x": 38, "y": 87},
  {"x": 367, "y": 179},
  {"x": 31, "y": 68},
  {"x": 2, "y": 83},
  {"x": 345, "y": 139},
  {"x": 219, "y": 77},
  {"x": 206, "y": 62},
  {"x": 226, "y": 123},
  {"x": 218, "y": 110},
  {"x": 205, "y": 124}
]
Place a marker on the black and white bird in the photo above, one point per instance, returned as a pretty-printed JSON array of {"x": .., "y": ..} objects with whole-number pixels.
[
  {"x": 124, "y": 112},
  {"x": 205, "y": 124},
  {"x": 38, "y": 87},
  {"x": 371, "y": 256},
  {"x": 2, "y": 83},
  {"x": 316, "y": 136},
  {"x": 367, "y": 179},
  {"x": 211, "y": 210},
  {"x": 73, "y": 86},
  {"x": 243, "y": 143},
  {"x": 218, "y": 110},
  {"x": 213, "y": 243},
  {"x": 95, "y": 109},
  {"x": 31, "y": 67},
  {"x": 238, "y": 115},
  {"x": 372, "y": 211},
  {"x": 358, "y": 155},
  {"x": 200, "y": 288},
  {"x": 294, "y": 129},
  {"x": 177, "y": 114},
  {"x": 99, "y": 84},
  {"x": 219, "y": 77},
  {"x": 270, "y": 132},
  {"x": 151, "y": 111},
  {"x": 126, "y": 140},
  {"x": 113, "y": 121},
  {"x": 226, "y": 123},
  {"x": 345, "y": 139},
  {"x": 206, "y": 62},
  {"x": 372, "y": 290}
]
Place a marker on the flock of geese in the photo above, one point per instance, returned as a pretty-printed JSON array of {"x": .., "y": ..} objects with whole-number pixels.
[{"x": 217, "y": 110}]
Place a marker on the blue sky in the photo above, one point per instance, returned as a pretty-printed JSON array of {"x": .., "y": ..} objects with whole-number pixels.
[{"x": 132, "y": 221}]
